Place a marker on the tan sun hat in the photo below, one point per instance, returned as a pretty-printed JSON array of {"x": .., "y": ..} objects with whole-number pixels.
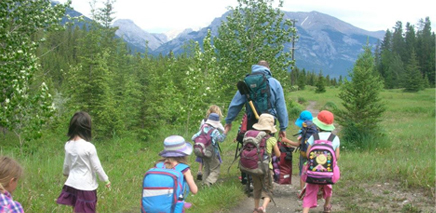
[{"x": 266, "y": 122}]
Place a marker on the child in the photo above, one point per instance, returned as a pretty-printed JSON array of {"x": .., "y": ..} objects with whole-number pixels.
[
  {"x": 212, "y": 109},
  {"x": 81, "y": 165},
  {"x": 172, "y": 157},
  {"x": 262, "y": 185},
  {"x": 165, "y": 185},
  {"x": 212, "y": 164},
  {"x": 304, "y": 116},
  {"x": 324, "y": 122},
  {"x": 10, "y": 172}
]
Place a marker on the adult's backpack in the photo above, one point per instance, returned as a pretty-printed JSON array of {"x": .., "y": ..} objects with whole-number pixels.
[
  {"x": 203, "y": 143},
  {"x": 260, "y": 94},
  {"x": 164, "y": 190},
  {"x": 308, "y": 129},
  {"x": 321, "y": 167},
  {"x": 254, "y": 158}
]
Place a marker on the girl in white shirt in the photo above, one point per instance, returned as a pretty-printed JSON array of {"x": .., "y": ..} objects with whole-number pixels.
[{"x": 81, "y": 166}]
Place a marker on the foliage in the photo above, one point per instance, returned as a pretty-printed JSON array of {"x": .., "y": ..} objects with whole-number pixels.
[
  {"x": 24, "y": 105},
  {"x": 254, "y": 31},
  {"x": 414, "y": 81},
  {"x": 320, "y": 83},
  {"x": 395, "y": 52},
  {"x": 361, "y": 100}
]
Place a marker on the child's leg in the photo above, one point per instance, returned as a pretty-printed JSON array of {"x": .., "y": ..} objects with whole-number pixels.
[
  {"x": 310, "y": 198},
  {"x": 327, "y": 191}
]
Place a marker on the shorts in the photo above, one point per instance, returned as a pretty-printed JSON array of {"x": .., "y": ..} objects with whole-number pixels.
[
  {"x": 81, "y": 201},
  {"x": 263, "y": 185}
]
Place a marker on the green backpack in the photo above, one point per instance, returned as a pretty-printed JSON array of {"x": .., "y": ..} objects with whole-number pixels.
[{"x": 260, "y": 94}]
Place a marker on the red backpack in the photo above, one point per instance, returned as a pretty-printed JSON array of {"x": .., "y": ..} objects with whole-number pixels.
[
  {"x": 254, "y": 158},
  {"x": 203, "y": 143}
]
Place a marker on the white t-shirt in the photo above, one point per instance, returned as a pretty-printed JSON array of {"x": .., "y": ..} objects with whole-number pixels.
[
  {"x": 324, "y": 136},
  {"x": 82, "y": 164}
]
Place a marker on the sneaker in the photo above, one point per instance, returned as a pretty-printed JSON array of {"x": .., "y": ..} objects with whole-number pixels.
[{"x": 199, "y": 176}]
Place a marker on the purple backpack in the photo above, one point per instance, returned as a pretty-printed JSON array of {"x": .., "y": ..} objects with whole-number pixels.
[
  {"x": 254, "y": 158},
  {"x": 203, "y": 143},
  {"x": 321, "y": 167}
]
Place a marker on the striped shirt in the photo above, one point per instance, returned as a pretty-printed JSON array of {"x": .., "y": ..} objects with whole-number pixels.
[{"x": 7, "y": 205}]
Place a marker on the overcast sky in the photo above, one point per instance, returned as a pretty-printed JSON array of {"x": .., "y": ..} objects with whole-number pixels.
[{"x": 158, "y": 16}]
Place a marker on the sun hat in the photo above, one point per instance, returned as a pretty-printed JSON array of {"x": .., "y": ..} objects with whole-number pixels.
[
  {"x": 176, "y": 146},
  {"x": 214, "y": 120},
  {"x": 324, "y": 120},
  {"x": 304, "y": 116},
  {"x": 266, "y": 122}
]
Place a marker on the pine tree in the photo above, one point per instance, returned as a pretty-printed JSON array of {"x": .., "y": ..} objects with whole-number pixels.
[
  {"x": 414, "y": 81},
  {"x": 320, "y": 83},
  {"x": 361, "y": 100}
]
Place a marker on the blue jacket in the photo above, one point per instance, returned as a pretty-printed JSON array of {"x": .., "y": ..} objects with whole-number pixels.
[{"x": 277, "y": 100}]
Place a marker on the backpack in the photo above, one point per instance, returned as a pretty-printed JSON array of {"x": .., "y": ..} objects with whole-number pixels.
[
  {"x": 308, "y": 129},
  {"x": 321, "y": 167},
  {"x": 164, "y": 190},
  {"x": 242, "y": 129},
  {"x": 254, "y": 158},
  {"x": 203, "y": 143},
  {"x": 260, "y": 94}
]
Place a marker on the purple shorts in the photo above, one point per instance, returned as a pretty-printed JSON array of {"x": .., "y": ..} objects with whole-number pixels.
[{"x": 82, "y": 201}]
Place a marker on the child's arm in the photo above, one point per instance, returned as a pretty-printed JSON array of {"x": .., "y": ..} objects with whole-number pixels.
[
  {"x": 277, "y": 150},
  {"x": 289, "y": 142},
  {"x": 190, "y": 181}
]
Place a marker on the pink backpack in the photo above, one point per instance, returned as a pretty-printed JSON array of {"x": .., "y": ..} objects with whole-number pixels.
[
  {"x": 321, "y": 167},
  {"x": 254, "y": 158}
]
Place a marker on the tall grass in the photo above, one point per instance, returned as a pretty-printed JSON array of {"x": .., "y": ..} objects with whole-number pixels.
[{"x": 409, "y": 124}]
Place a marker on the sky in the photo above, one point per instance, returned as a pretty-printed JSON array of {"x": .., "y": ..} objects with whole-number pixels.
[{"x": 160, "y": 16}]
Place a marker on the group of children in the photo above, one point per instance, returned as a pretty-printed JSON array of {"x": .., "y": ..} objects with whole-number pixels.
[{"x": 82, "y": 165}]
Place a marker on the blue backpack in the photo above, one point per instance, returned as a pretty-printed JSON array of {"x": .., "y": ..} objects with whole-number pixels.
[
  {"x": 164, "y": 190},
  {"x": 308, "y": 129}
]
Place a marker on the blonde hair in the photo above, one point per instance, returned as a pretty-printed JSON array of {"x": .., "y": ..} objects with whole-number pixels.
[
  {"x": 214, "y": 109},
  {"x": 9, "y": 169},
  {"x": 183, "y": 159}
]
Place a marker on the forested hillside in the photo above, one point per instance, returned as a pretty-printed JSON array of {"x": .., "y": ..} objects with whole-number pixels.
[{"x": 86, "y": 67}]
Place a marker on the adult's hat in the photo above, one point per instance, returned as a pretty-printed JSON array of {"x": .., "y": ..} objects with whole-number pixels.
[
  {"x": 176, "y": 146},
  {"x": 324, "y": 120}
]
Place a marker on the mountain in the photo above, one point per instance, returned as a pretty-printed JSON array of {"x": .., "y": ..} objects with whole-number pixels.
[
  {"x": 136, "y": 37},
  {"x": 325, "y": 43}
]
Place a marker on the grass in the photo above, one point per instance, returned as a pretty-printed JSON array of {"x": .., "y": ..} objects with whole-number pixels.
[{"x": 409, "y": 123}]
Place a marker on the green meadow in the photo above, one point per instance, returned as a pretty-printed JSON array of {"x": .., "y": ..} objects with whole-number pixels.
[{"x": 407, "y": 158}]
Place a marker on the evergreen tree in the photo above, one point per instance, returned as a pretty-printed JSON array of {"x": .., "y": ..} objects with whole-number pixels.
[
  {"x": 425, "y": 50},
  {"x": 320, "y": 83},
  {"x": 361, "y": 100},
  {"x": 414, "y": 81},
  {"x": 302, "y": 80}
]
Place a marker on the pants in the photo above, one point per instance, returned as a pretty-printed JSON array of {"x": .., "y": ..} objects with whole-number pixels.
[{"x": 211, "y": 168}]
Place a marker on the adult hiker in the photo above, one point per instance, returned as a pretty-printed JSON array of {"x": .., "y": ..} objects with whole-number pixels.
[
  {"x": 275, "y": 103},
  {"x": 276, "y": 99}
]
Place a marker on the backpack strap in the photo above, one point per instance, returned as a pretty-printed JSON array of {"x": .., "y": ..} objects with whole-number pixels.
[
  {"x": 315, "y": 136},
  {"x": 331, "y": 137}
]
